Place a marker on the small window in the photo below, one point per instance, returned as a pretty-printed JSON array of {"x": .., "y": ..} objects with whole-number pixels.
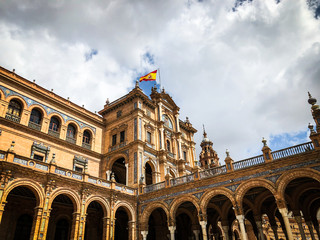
[
  {"x": 36, "y": 116},
  {"x": 38, "y": 157},
  {"x": 149, "y": 137},
  {"x": 122, "y": 136},
  {"x": 14, "y": 108},
  {"x": 135, "y": 105},
  {"x": 86, "y": 137},
  {"x": 185, "y": 155},
  {"x": 71, "y": 131},
  {"x": 114, "y": 139},
  {"x": 78, "y": 169},
  {"x": 168, "y": 146},
  {"x": 119, "y": 113},
  {"x": 54, "y": 124}
]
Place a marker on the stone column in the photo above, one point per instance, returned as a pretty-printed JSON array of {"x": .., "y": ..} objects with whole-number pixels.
[
  {"x": 162, "y": 139},
  {"x": 284, "y": 214},
  {"x": 299, "y": 222},
  {"x": 132, "y": 230},
  {"x": 172, "y": 229},
  {"x": 309, "y": 224},
  {"x": 36, "y": 223},
  {"x": 106, "y": 228},
  {"x": 2, "y": 205},
  {"x": 241, "y": 220},
  {"x": 144, "y": 235},
  {"x": 259, "y": 226},
  {"x": 226, "y": 232},
  {"x": 204, "y": 229},
  {"x": 196, "y": 234},
  {"x": 75, "y": 226},
  {"x": 127, "y": 173}
]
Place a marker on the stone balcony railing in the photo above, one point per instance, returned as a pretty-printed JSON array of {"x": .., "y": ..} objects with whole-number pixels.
[
  {"x": 39, "y": 166},
  {"x": 117, "y": 146},
  {"x": 13, "y": 118},
  {"x": 34, "y": 126},
  {"x": 246, "y": 163}
]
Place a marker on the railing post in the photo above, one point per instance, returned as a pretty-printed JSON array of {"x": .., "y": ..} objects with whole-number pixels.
[
  {"x": 229, "y": 162},
  {"x": 10, "y": 153},
  {"x": 167, "y": 181},
  {"x": 266, "y": 151}
]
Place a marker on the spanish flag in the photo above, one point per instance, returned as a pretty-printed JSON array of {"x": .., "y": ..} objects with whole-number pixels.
[{"x": 149, "y": 77}]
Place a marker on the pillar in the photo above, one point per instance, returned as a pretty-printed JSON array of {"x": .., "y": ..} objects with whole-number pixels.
[
  {"x": 204, "y": 229},
  {"x": 144, "y": 235},
  {"x": 298, "y": 219},
  {"x": 259, "y": 225},
  {"x": 127, "y": 173},
  {"x": 241, "y": 220},
  {"x": 75, "y": 226},
  {"x": 172, "y": 230},
  {"x": 284, "y": 214},
  {"x": 132, "y": 230},
  {"x": 309, "y": 224},
  {"x": 196, "y": 234},
  {"x": 162, "y": 139},
  {"x": 106, "y": 228},
  {"x": 226, "y": 232},
  {"x": 36, "y": 223}
]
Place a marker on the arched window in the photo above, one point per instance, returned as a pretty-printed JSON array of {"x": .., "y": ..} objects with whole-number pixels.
[
  {"x": 168, "y": 146},
  {"x": 54, "y": 127},
  {"x": 86, "y": 140},
  {"x": 71, "y": 133},
  {"x": 35, "y": 119},
  {"x": 14, "y": 111},
  {"x": 167, "y": 121}
]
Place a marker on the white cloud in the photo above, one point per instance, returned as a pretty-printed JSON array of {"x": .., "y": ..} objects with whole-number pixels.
[{"x": 244, "y": 74}]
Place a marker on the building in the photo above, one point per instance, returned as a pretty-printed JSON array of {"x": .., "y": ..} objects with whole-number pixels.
[{"x": 131, "y": 173}]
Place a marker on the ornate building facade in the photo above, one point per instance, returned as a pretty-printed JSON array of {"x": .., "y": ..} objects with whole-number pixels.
[{"x": 131, "y": 173}]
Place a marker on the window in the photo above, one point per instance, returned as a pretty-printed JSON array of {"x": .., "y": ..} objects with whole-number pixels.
[
  {"x": 71, "y": 131},
  {"x": 78, "y": 169},
  {"x": 14, "y": 108},
  {"x": 38, "y": 157},
  {"x": 167, "y": 121},
  {"x": 185, "y": 155},
  {"x": 36, "y": 116},
  {"x": 168, "y": 146},
  {"x": 114, "y": 139},
  {"x": 86, "y": 137},
  {"x": 149, "y": 137},
  {"x": 54, "y": 124},
  {"x": 135, "y": 105},
  {"x": 122, "y": 136}
]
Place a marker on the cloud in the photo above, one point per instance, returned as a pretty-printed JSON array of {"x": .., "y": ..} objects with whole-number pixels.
[{"x": 244, "y": 74}]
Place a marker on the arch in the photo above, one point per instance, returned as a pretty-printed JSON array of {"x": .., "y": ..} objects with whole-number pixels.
[
  {"x": 129, "y": 209},
  {"x": 75, "y": 124},
  {"x": 2, "y": 95},
  {"x": 23, "y": 102},
  {"x": 30, "y": 184},
  {"x": 150, "y": 208},
  {"x": 167, "y": 121},
  {"x": 43, "y": 111},
  {"x": 249, "y": 184},
  {"x": 177, "y": 202},
  {"x": 36, "y": 116},
  {"x": 207, "y": 196},
  {"x": 152, "y": 164},
  {"x": 114, "y": 159},
  {"x": 54, "y": 114},
  {"x": 72, "y": 132},
  {"x": 87, "y": 137},
  {"x": 55, "y": 124},
  {"x": 287, "y": 177},
  {"x": 104, "y": 204},
  {"x": 173, "y": 172},
  {"x": 74, "y": 197},
  {"x": 89, "y": 130}
]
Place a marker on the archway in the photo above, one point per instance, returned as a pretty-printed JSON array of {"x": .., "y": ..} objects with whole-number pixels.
[
  {"x": 148, "y": 174},
  {"x": 187, "y": 224},
  {"x": 18, "y": 215},
  {"x": 158, "y": 226},
  {"x": 94, "y": 222},
  {"x": 119, "y": 170},
  {"x": 121, "y": 224},
  {"x": 61, "y": 218}
]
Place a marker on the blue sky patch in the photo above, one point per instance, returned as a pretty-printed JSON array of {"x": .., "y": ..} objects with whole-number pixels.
[
  {"x": 285, "y": 140},
  {"x": 88, "y": 56}
]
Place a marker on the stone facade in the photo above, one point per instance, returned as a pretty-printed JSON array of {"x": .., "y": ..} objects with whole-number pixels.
[{"x": 131, "y": 173}]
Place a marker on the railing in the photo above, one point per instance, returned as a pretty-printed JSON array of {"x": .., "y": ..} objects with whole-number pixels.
[
  {"x": 86, "y": 145},
  {"x": 170, "y": 154},
  {"x": 248, "y": 162},
  {"x": 13, "y": 118},
  {"x": 125, "y": 188},
  {"x": 54, "y": 133},
  {"x": 301, "y": 148},
  {"x": 181, "y": 180},
  {"x": 213, "y": 172},
  {"x": 154, "y": 187},
  {"x": 115, "y": 147},
  {"x": 71, "y": 140},
  {"x": 34, "y": 126}
]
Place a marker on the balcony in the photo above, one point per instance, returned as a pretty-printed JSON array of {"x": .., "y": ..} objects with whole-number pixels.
[
  {"x": 54, "y": 133},
  {"x": 13, "y": 118},
  {"x": 71, "y": 140},
  {"x": 86, "y": 145},
  {"x": 117, "y": 146},
  {"x": 35, "y": 126}
]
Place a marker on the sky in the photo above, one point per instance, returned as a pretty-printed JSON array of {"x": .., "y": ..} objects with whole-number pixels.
[{"x": 243, "y": 69}]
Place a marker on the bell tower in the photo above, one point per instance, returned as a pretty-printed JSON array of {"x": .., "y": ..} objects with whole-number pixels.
[{"x": 208, "y": 157}]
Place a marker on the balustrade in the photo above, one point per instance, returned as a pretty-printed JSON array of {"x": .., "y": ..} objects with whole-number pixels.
[
  {"x": 301, "y": 148},
  {"x": 34, "y": 126},
  {"x": 248, "y": 162},
  {"x": 13, "y": 118},
  {"x": 154, "y": 187}
]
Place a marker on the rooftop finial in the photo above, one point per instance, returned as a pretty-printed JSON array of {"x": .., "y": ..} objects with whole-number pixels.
[
  {"x": 311, "y": 100},
  {"x": 228, "y": 153},
  {"x": 137, "y": 84},
  {"x": 204, "y": 132},
  {"x": 264, "y": 141}
]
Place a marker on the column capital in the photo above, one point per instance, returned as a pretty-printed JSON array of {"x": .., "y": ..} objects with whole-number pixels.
[{"x": 172, "y": 228}]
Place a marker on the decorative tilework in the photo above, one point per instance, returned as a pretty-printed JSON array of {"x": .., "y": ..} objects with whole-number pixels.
[
  {"x": 168, "y": 201},
  {"x": 198, "y": 195},
  {"x": 1, "y": 156},
  {"x": 316, "y": 168},
  {"x": 273, "y": 178},
  {"x": 31, "y": 102},
  {"x": 233, "y": 187}
]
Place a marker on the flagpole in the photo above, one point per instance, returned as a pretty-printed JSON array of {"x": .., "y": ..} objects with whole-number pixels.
[{"x": 159, "y": 78}]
